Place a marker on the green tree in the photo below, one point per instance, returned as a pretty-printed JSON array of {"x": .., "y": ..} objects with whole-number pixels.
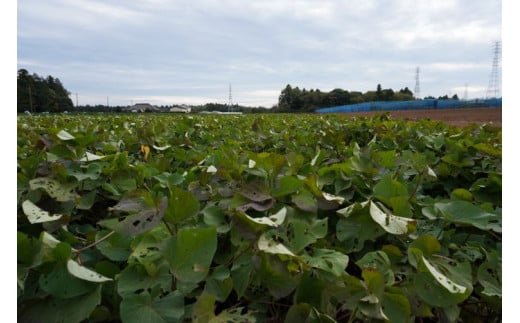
[{"x": 38, "y": 94}]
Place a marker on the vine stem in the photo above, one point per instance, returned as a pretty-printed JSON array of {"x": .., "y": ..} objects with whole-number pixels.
[
  {"x": 232, "y": 260},
  {"x": 95, "y": 242},
  {"x": 419, "y": 181}
]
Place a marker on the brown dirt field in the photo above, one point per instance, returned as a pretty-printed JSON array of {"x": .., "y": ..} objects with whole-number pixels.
[{"x": 456, "y": 117}]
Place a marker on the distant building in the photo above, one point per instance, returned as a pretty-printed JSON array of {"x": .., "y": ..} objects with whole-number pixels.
[
  {"x": 180, "y": 109},
  {"x": 142, "y": 107}
]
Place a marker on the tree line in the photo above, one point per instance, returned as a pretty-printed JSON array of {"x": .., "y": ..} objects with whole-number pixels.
[
  {"x": 302, "y": 100},
  {"x": 47, "y": 94},
  {"x": 41, "y": 94}
]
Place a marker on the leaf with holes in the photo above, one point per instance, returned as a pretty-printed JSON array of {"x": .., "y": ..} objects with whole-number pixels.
[
  {"x": 135, "y": 224},
  {"x": 330, "y": 261},
  {"x": 56, "y": 190},
  {"x": 36, "y": 215},
  {"x": 270, "y": 246},
  {"x": 391, "y": 223},
  {"x": 489, "y": 275},
  {"x": 84, "y": 273}
]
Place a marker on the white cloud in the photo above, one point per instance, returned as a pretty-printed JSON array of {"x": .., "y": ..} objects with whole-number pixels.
[{"x": 190, "y": 49}]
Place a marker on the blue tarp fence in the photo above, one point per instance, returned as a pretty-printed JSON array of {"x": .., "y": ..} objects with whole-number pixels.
[{"x": 413, "y": 105}]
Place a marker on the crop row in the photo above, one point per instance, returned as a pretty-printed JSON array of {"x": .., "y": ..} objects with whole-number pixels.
[{"x": 257, "y": 218}]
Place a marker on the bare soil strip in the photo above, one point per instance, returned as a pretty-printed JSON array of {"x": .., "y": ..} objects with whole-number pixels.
[{"x": 456, "y": 117}]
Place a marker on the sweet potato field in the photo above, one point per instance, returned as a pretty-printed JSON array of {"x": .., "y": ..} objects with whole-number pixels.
[{"x": 257, "y": 218}]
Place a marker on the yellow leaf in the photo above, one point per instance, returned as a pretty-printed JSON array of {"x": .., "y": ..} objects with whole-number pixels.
[{"x": 146, "y": 151}]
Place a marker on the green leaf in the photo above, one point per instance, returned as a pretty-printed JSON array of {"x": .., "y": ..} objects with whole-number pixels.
[
  {"x": 306, "y": 313},
  {"x": 388, "y": 188},
  {"x": 274, "y": 275},
  {"x": 87, "y": 201},
  {"x": 124, "y": 183},
  {"x": 428, "y": 244},
  {"x": 488, "y": 149},
  {"x": 357, "y": 228},
  {"x": 219, "y": 284},
  {"x": 306, "y": 233},
  {"x": 28, "y": 250},
  {"x": 241, "y": 273},
  {"x": 181, "y": 206},
  {"x": 305, "y": 201},
  {"x": 203, "y": 309},
  {"x": 489, "y": 275},
  {"x": 134, "y": 278},
  {"x": 286, "y": 185},
  {"x": 330, "y": 261},
  {"x": 142, "y": 308},
  {"x": 215, "y": 216},
  {"x": 190, "y": 253},
  {"x": 311, "y": 290},
  {"x": 61, "y": 284},
  {"x": 463, "y": 212},
  {"x": 396, "y": 307},
  {"x": 379, "y": 261},
  {"x": 461, "y": 194},
  {"x": 71, "y": 310},
  {"x": 116, "y": 247}
]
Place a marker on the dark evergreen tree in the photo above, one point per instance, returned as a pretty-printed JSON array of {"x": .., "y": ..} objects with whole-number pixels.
[{"x": 38, "y": 94}]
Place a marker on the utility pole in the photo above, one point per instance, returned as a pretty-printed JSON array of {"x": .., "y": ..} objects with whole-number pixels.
[
  {"x": 76, "y": 99},
  {"x": 107, "y": 101},
  {"x": 230, "y": 102}
]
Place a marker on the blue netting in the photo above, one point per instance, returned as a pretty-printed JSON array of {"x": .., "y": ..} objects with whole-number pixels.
[{"x": 412, "y": 105}]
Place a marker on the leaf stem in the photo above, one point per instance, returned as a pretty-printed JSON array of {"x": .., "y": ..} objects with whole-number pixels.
[
  {"x": 168, "y": 227},
  {"x": 95, "y": 242}
]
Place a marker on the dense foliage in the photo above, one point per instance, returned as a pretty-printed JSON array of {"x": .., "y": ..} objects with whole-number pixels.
[
  {"x": 41, "y": 94},
  {"x": 257, "y": 218},
  {"x": 297, "y": 100}
]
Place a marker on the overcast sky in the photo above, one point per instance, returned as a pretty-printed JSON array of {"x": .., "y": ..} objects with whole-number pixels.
[{"x": 175, "y": 52}]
